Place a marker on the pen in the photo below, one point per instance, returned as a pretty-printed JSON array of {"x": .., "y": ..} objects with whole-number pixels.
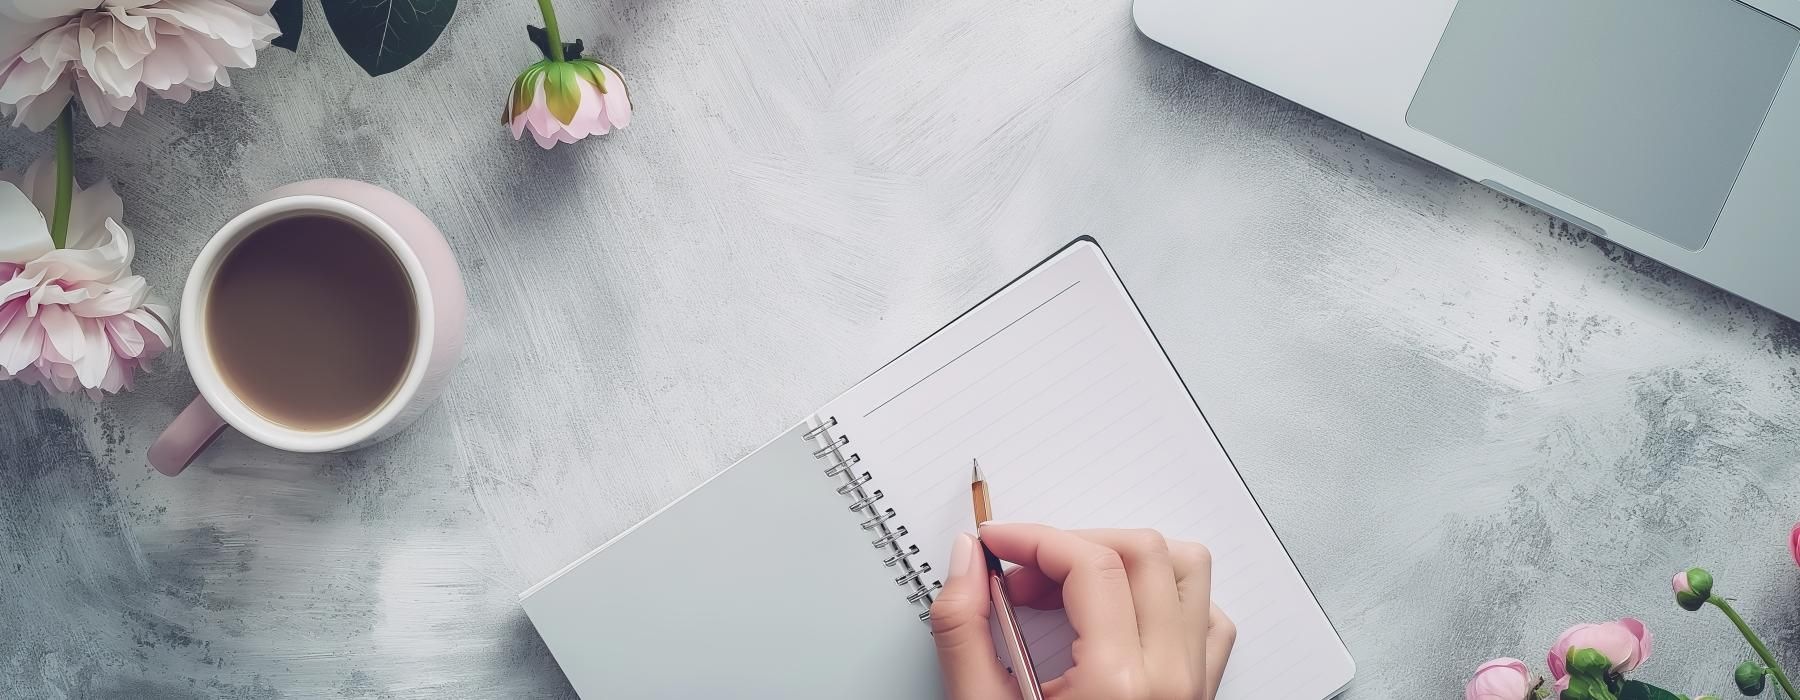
[{"x": 1010, "y": 632}]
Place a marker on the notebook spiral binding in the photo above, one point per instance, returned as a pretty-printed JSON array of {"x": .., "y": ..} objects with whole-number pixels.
[{"x": 863, "y": 498}]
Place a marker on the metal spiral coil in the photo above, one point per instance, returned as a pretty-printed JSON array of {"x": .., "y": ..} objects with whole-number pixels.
[
  {"x": 855, "y": 486},
  {"x": 842, "y": 465},
  {"x": 885, "y": 516}
]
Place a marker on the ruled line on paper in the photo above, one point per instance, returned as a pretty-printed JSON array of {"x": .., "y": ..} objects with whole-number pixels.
[{"x": 972, "y": 348}]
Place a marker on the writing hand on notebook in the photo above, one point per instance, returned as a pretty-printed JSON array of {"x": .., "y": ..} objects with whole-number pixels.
[{"x": 1140, "y": 605}]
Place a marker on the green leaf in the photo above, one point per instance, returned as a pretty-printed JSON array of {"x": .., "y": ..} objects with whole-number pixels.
[
  {"x": 385, "y": 35},
  {"x": 287, "y": 14},
  {"x": 524, "y": 90},
  {"x": 561, "y": 91},
  {"x": 591, "y": 72},
  {"x": 1639, "y": 690}
]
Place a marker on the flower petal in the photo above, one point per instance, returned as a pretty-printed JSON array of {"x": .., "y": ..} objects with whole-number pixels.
[
  {"x": 96, "y": 354},
  {"x": 40, "y": 111},
  {"x": 91, "y": 211},
  {"x": 24, "y": 234},
  {"x": 126, "y": 336},
  {"x": 618, "y": 100},
  {"x": 21, "y": 342},
  {"x": 45, "y": 9},
  {"x": 104, "y": 301}
]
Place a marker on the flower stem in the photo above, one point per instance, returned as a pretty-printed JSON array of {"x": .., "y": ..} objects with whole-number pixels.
[
  {"x": 1756, "y": 643},
  {"x": 556, "y": 47},
  {"x": 65, "y": 176}
]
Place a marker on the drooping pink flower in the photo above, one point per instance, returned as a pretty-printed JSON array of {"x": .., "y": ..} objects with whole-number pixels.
[
  {"x": 113, "y": 53},
  {"x": 1625, "y": 643},
  {"x": 75, "y": 317},
  {"x": 1500, "y": 679},
  {"x": 566, "y": 101}
]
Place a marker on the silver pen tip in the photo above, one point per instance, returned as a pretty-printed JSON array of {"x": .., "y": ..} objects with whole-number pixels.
[{"x": 975, "y": 474}]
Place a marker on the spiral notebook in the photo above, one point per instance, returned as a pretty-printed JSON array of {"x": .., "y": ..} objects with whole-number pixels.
[{"x": 805, "y": 569}]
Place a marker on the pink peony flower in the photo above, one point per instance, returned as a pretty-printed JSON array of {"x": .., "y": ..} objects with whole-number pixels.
[
  {"x": 1625, "y": 643},
  {"x": 73, "y": 317},
  {"x": 1500, "y": 679},
  {"x": 566, "y": 101},
  {"x": 113, "y": 53},
  {"x": 1794, "y": 544}
]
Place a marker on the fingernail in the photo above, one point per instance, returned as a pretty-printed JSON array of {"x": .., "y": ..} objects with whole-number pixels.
[
  {"x": 998, "y": 522},
  {"x": 961, "y": 555}
]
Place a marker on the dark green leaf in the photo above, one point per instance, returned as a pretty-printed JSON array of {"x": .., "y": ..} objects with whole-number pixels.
[
  {"x": 571, "y": 49},
  {"x": 287, "y": 14},
  {"x": 1638, "y": 690},
  {"x": 385, "y": 35}
]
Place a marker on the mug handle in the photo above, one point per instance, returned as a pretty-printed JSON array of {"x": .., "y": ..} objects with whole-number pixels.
[{"x": 190, "y": 433}]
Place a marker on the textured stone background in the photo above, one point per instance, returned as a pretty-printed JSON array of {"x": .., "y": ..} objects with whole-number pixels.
[{"x": 1471, "y": 425}]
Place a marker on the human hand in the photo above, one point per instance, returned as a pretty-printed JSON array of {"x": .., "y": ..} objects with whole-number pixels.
[{"x": 1141, "y": 607}]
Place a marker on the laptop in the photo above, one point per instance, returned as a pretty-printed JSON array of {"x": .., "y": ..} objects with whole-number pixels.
[{"x": 1671, "y": 127}]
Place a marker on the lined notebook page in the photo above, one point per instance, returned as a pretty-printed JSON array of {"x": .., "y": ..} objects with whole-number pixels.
[{"x": 1057, "y": 385}]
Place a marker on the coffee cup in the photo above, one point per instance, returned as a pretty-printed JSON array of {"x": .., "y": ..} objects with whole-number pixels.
[{"x": 324, "y": 318}]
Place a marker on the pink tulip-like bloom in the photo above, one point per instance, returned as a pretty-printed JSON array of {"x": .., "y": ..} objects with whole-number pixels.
[
  {"x": 1625, "y": 643},
  {"x": 1794, "y": 544},
  {"x": 1500, "y": 679},
  {"x": 566, "y": 101},
  {"x": 72, "y": 317},
  {"x": 113, "y": 53}
]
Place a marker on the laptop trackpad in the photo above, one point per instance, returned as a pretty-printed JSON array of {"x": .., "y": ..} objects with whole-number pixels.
[{"x": 1643, "y": 109}]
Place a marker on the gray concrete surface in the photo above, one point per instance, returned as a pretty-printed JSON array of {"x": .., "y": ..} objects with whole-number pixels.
[{"x": 1472, "y": 425}]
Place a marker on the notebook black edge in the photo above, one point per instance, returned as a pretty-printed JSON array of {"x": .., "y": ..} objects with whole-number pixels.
[{"x": 1184, "y": 387}]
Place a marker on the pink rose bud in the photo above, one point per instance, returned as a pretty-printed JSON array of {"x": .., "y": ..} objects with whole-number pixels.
[
  {"x": 1500, "y": 679},
  {"x": 1692, "y": 588},
  {"x": 1625, "y": 643},
  {"x": 1794, "y": 543}
]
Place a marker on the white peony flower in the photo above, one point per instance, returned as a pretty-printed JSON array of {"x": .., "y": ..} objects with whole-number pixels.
[
  {"x": 73, "y": 317},
  {"x": 113, "y": 53}
]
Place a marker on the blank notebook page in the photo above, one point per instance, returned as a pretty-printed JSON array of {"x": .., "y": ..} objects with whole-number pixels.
[{"x": 1058, "y": 386}]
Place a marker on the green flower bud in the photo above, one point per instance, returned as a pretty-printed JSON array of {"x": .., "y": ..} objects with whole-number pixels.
[
  {"x": 1750, "y": 677},
  {"x": 1692, "y": 588}
]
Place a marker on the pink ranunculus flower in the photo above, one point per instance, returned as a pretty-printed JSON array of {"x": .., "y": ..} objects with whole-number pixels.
[
  {"x": 566, "y": 101},
  {"x": 1500, "y": 679},
  {"x": 113, "y": 53},
  {"x": 72, "y": 317},
  {"x": 1794, "y": 544},
  {"x": 1625, "y": 643}
]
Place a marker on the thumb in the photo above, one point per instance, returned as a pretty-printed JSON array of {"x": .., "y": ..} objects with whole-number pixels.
[{"x": 959, "y": 625}]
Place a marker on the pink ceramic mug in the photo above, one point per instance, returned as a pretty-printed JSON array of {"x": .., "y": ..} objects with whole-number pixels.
[{"x": 436, "y": 286}]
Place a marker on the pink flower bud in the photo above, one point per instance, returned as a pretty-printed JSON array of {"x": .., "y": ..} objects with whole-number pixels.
[
  {"x": 1692, "y": 588},
  {"x": 1500, "y": 679}
]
